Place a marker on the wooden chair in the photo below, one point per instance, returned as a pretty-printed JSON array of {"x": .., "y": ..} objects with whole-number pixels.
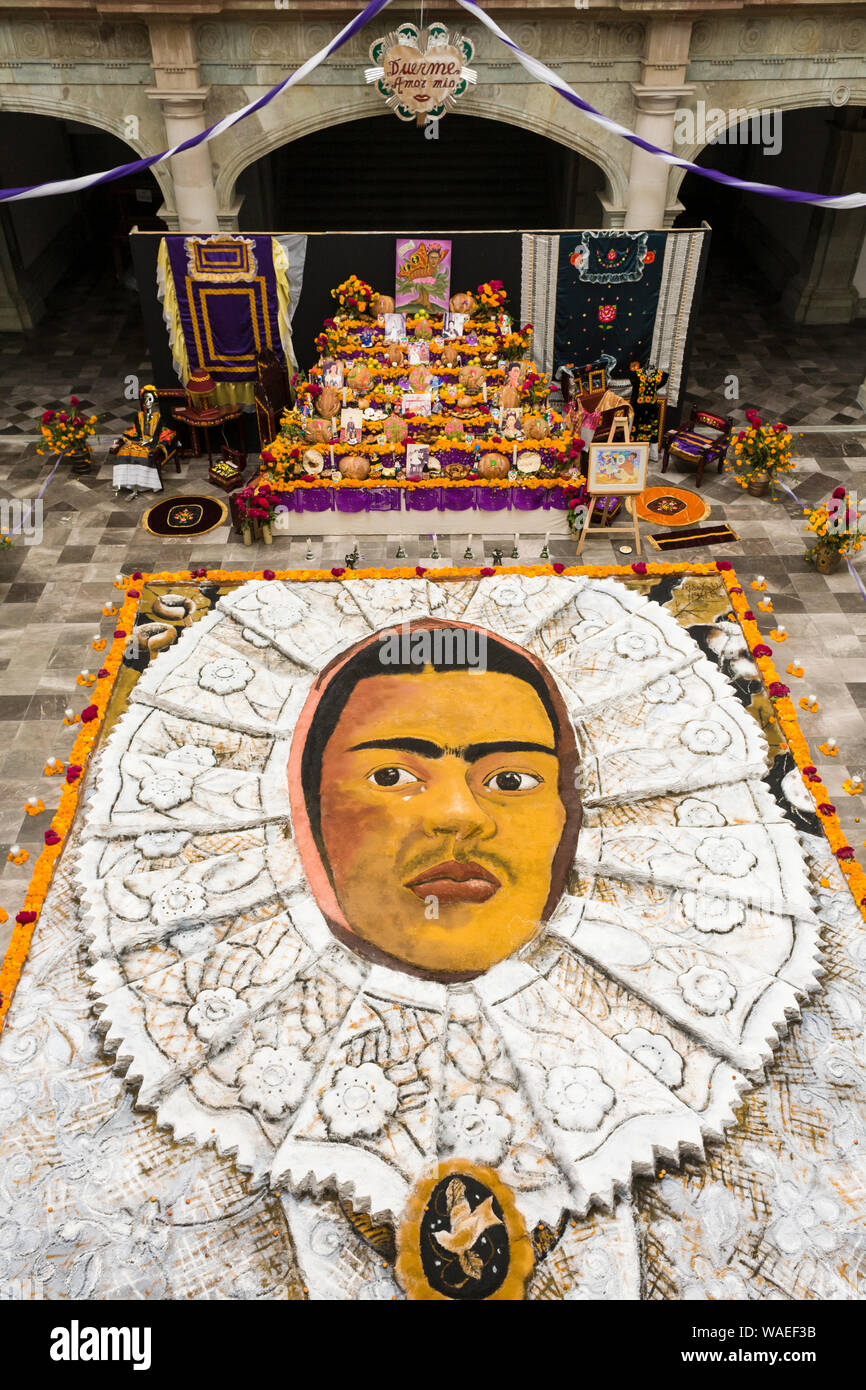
[
  {"x": 702, "y": 440},
  {"x": 272, "y": 394}
]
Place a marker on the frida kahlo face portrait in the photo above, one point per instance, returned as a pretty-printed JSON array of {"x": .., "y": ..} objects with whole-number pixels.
[{"x": 434, "y": 801}]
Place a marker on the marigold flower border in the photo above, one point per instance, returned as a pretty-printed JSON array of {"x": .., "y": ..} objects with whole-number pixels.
[{"x": 62, "y": 820}]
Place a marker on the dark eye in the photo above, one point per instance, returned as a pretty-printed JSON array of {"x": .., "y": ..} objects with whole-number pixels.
[
  {"x": 513, "y": 781},
  {"x": 391, "y": 777}
]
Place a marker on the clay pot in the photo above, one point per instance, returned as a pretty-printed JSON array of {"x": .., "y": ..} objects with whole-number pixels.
[
  {"x": 318, "y": 431},
  {"x": 534, "y": 427},
  {"x": 354, "y": 466},
  {"x": 509, "y": 397},
  {"x": 493, "y": 466},
  {"x": 382, "y": 304},
  {"x": 825, "y": 558},
  {"x": 463, "y": 304},
  {"x": 758, "y": 484},
  {"x": 328, "y": 403},
  {"x": 450, "y": 355},
  {"x": 394, "y": 354}
]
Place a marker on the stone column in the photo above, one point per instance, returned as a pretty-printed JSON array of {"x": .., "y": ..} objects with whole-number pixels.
[
  {"x": 182, "y": 98},
  {"x": 657, "y": 98},
  {"x": 824, "y": 290}
]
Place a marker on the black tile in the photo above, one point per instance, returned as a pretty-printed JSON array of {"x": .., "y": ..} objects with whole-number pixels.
[
  {"x": 13, "y": 706},
  {"x": 22, "y": 591}
]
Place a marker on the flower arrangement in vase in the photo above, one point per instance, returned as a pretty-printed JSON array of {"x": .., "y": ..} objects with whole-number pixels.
[
  {"x": 67, "y": 434},
  {"x": 256, "y": 505},
  {"x": 836, "y": 528},
  {"x": 761, "y": 453},
  {"x": 353, "y": 294}
]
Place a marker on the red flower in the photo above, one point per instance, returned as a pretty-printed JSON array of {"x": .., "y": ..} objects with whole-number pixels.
[
  {"x": 724, "y": 565},
  {"x": 338, "y": 571},
  {"x": 606, "y": 313},
  {"x": 846, "y": 852},
  {"x": 735, "y": 591},
  {"x": 102, "y": 672},
  {"x": 778, "y": 690},
  {"x": 73, "y": 400},
  {"x": 761, "y": 649},
  {"x": 268, "y": 574},
  {"x": 779, "y": 428},
  {"x": 838, "y": 492},
  {"x": 25, "y": 918},
  {"x": 742, "y": 434},
  {"x": 749, "y": 615},
  {"x": 639, "y": 567},
  {"x": 62, "y": 417},
  {"x": 73, "y": 772},
  {"x": 47, "y": 417},
  {"x": 487, "y": 571},
  {"x": 198, "y": 574},
  {"x": 267, "y": 456},
  {"x": 133, "y": 593},
  {"x": 809, "y": 771},
  {"x": 827, "y": 808},
  {"x": 558, "y": 568},
  {"x": 137, "y": 574},
  {"x": 51, "y": 837},
  {"x": 91, "y": 712},
  {"x": 77, "y": 420},
  {"x": 119, "y": 632},
  {"x": 611, "y": 255},
  {"x": 649, "y": 257},
  {"x": 420, "y": 571}
]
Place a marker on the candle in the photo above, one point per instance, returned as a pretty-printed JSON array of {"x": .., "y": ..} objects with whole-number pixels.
[
  {"x": 516, "y": 538},
  {"x": 780, "y": 628},
  {"x": 85, "y": 674},
  {"x": 68, "y": 713},
  {"x": 52, "y": 762},
  {"x": 309, "y": 541},
  {"x": 514, "y": 455},
  {"x": 484, "y": 392},
  {"x": 760, "y": 579},
  {"x": 332, "y": 457},
  {"x": 118, "y": 579},
  {"x": 14, "y": 851},
  {"x": 435, "y": 542},
  {"x": 546, "y": 537},
  {"x": 33, "y": 801},
  {"x": 469, "y": 542},
  {"x": 831, "y": 743}
]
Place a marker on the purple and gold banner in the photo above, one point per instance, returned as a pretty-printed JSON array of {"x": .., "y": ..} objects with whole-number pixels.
[{"x": 227, "y": 299}]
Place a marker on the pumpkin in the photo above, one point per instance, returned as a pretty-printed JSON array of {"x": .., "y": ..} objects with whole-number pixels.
[
  {"x": 509, "y": 397},
  {"x": 450, "y": 355},
  {"x": 534, "y": 427},
  {"x": 359, "y": 378},
  {"x": 382, "y": 304},
  {"x": 318, "y": 431},
  {"x": 493, "y": 466},
  {"x": 423, "y": 330},
  {"x": 313, "y": 461},
  {"x": 354, "y": 466},
  {"x": 328, "y": 403},
  {"x": 472, "y": 377},
  {"x": 463, "y": 304},
  {"x": 394, "y": 354},
  {"x": 395, "y": 430}
]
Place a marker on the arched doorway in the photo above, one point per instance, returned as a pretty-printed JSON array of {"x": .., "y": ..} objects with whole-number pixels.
[
  {"x": 477, "y": 174},
  {"x": 76, "y": 239}
]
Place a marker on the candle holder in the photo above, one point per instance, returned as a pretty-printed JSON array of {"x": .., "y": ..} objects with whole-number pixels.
[
  {"x": 467, "y": 554},
  {"x": 545, "y": 552},
  {"x": 401, "y": 553},
  {"x": 497, "y": 555}
]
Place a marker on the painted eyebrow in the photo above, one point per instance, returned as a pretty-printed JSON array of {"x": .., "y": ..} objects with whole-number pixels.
[{"x": 472, "y": 753}]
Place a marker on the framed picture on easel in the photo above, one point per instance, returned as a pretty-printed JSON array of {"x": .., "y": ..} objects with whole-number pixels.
[{"x": 617, "y": 469}]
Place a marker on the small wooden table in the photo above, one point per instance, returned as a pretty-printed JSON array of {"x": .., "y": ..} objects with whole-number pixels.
[{"x": 207, "y": 420}]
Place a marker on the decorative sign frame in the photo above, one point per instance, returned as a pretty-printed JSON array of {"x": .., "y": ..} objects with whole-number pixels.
[{"x": 421, "y": 84}]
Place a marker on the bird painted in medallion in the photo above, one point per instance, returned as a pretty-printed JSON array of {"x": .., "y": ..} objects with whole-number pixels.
[{"x": 466, "y": 1228}]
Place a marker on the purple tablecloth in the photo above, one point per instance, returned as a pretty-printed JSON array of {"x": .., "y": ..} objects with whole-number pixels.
[{"x": 443, "y": 499}]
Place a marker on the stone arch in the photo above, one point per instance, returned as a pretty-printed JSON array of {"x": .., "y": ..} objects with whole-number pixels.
[
  {"x": 818, "y": 95},
  {"x": 32, "y": 103},
  {"x": 366, "y": 102}
]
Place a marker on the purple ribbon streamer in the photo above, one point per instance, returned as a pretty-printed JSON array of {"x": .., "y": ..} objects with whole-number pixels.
[
  {"x": 40, "y": 494},
  {"x": 848, "y": 561},
  {"x": 536, "y": 69}
]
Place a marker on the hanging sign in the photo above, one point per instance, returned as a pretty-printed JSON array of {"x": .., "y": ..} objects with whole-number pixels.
[{"x": 421, "y": 84}]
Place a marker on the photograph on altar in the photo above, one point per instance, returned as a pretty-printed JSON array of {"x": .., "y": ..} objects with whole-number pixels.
[
  {"x": 423, "y": 275},
  {"x": 395, "y": 328},
  {"x": 351, "y": 425},
  {"x": 452, "y": 325},
  {"x": 438, "y": 906},
  {"x": 617, "y": 468}
]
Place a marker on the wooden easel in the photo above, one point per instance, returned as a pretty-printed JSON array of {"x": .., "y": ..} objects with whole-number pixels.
[{"x": 618, "y": 423}]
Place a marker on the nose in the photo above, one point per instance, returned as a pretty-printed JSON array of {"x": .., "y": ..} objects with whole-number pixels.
[{"x": 451, "y": 807}]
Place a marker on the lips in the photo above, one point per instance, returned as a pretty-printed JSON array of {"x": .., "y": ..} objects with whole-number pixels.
[{"x": 456, "y": 883}]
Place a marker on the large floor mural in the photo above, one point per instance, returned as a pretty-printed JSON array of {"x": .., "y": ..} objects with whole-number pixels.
[{"x": 456, "y": 939}]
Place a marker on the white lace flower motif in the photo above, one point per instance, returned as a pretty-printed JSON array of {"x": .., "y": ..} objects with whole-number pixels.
[
  {"x": 707, "y": 989},
  {"x": 278, "y": 606},
  {"x": 162, "y": 844},
  {"x": 513, "y": 591},
  {"x": 665, "y": 691},
  {"x": 711, "y": 914},
  {"x": 274, "y": 1080},
  {"x": 705, "y": 736},
  {"x": 358, "y": 1101},
  {"x": 192, "y": 941},
  {"x": 693, "y": 811},
  {"x": 578, "y": 1097},
  {"x": 213, "y": 1010},
  {"x": 654, "y": 1052},
  {"x": 197, "y": 755},
  {"x": 226, "y": 675},
  {"x": 636, "y": 646},
  {"x": 178, "y": 900},
  {"x": 809, "y": 1220},
  {"x": 726, "y": 855},
  {"x": 476, "y": 1128},
  {"x": 164, "y": 790}
]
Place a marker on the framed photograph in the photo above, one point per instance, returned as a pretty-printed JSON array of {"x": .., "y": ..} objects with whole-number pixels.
[
  {"x": 351, "y": 425},
  {"x": 417, "y": 458},
  {"x": 617, "y": 469},
  {"x": 423, "y": 274},
  {"x": 395, "y": 328},
  {"x": 332, "y": 373},
  {"x": 452, "y": 325},
  {"x": 419, "y": 354},
  {"x": 417, "y": 403}
]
